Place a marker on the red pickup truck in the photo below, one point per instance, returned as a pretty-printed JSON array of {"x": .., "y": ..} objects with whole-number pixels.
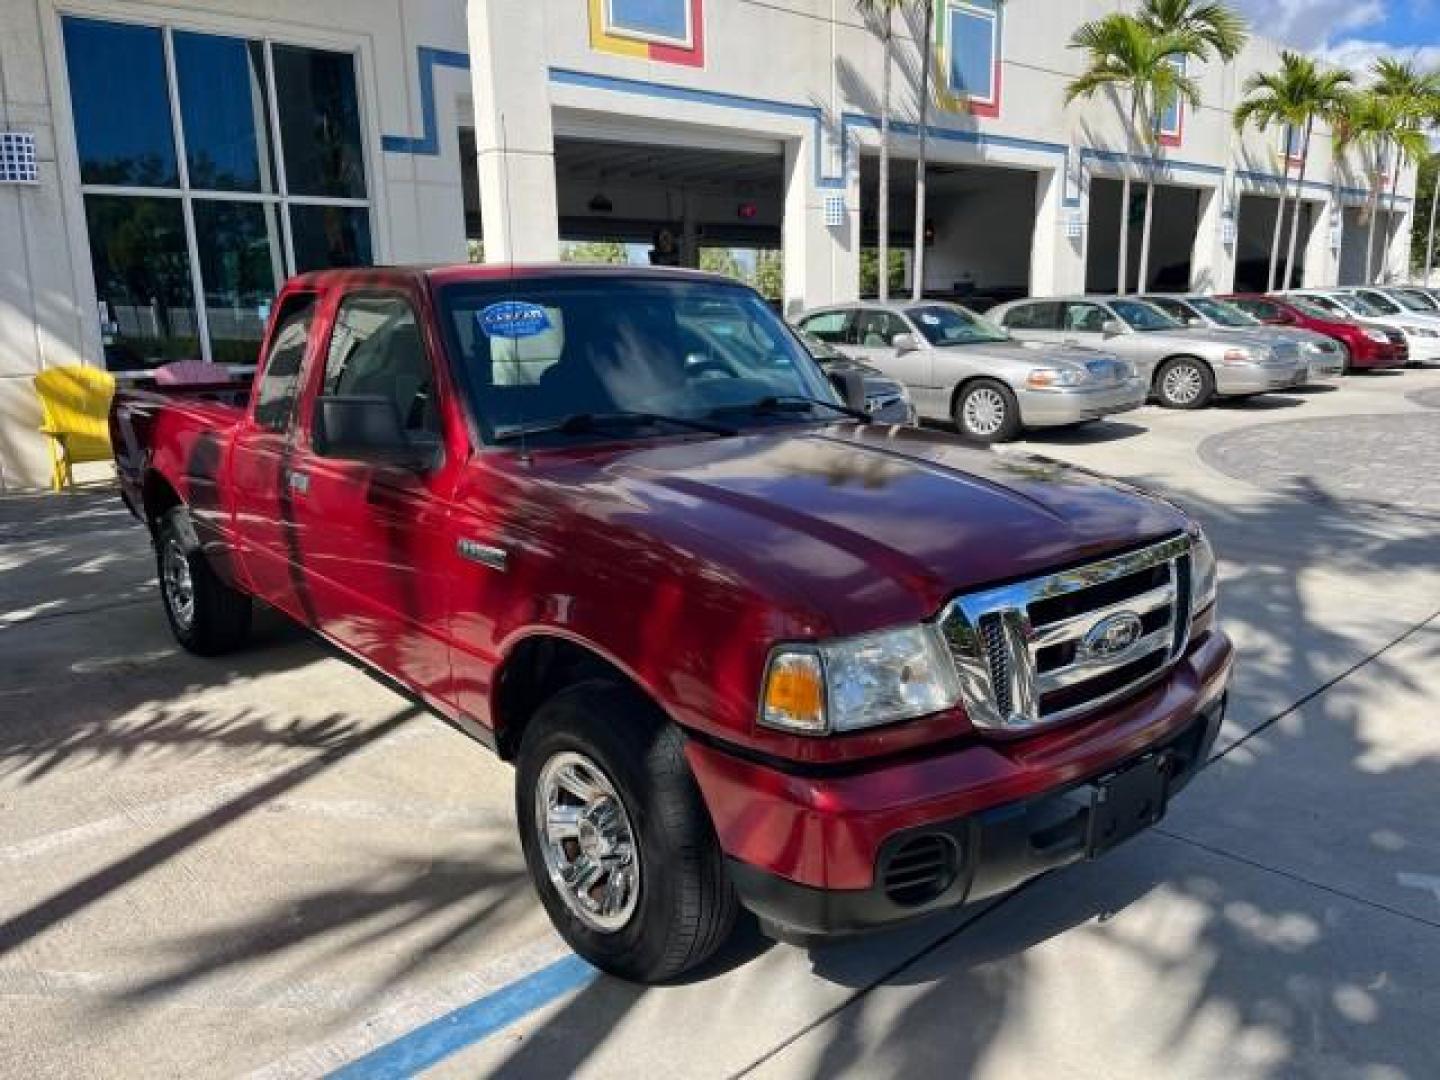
[{"x": 744, "y": 646}]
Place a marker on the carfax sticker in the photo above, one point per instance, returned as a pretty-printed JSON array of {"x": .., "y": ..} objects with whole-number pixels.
[{"x": 513, "y": 319}]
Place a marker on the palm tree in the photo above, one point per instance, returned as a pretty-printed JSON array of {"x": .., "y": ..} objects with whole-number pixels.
[
  {"x": 927, "y": 47},
  {"x": 1380, "y": 125},
  {"x": 1293, "y": 97},
  {"x": 1417, "y": 92},
  {"x": 1126, "y": 54},
  {"x": 882, "y": 12},
  {"x": 1219, "y": 26}
]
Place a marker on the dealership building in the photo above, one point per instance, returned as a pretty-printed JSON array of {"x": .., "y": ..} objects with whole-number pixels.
[{"x": 164, "y": 167}]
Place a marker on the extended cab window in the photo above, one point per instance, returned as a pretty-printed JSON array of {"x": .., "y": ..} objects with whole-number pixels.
[
  {"x": 280, "y": 383},
  {"x": 376, "y": 351}
]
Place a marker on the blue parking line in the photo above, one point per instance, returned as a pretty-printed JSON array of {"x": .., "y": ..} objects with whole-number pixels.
[{"x": 469, "y": 1024}]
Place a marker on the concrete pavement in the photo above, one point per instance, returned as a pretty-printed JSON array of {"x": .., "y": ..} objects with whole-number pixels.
[{"x": 270, "y": 864}]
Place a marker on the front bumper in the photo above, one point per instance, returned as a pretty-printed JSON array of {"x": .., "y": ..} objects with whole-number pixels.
[
  {"x": 808, "y": 851},
  {"x": 1423, "y": 350},
  {"x": 1258, "y": 378},
  {"x": 1049, "y": 408}
]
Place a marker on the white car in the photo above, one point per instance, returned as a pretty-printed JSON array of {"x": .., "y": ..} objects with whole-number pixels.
[{"x": 1422, "y": 332}]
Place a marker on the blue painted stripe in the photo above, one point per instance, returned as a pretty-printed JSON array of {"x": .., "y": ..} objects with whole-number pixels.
[
  {"x": 428, "y": 142},
  {"x": 469, "y": 1024}
]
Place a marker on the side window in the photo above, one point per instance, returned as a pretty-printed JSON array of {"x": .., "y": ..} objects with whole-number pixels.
[
  {"x": 376, "y": 351},
  {"x": 1085, "y": 318},
  {"x": 1173, "y": 308},
  {"x": 877, "y": 329},
  {"x": 1033, "y": 317},
  {"x": 1261, "y": 309},
  {"x": 827, "y": 326},
  {"x": 972, "y": 29},
  {"x": 280, "y": 384}
]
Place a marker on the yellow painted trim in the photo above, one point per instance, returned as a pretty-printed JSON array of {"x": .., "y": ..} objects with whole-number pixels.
[{"x": 603, "y": 42}]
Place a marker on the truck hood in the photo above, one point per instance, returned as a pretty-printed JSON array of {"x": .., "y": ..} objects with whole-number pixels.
[{"x": 867, "y": 526}]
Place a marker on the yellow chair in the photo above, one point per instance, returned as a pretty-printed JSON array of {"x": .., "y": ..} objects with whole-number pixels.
[{"x": 74, "y": 412}]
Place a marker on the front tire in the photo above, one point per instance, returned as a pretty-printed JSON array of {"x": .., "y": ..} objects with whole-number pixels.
[
  {"x": 616, "y": 836},
  {"x": 1184, "y": 383},
  {"x": 986, "y": 412},
  {"x": 206, "y": 615}
]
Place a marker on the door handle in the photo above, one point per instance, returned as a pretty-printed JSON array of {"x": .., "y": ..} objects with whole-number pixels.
[{"x": 297, "y": 481}]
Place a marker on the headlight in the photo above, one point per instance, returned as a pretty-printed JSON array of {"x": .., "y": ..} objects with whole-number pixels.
[
  {"x": 1378, "y": 335},
  {"x": 1239, "y": 356},
  {"x": 1049, "y": 378},
  {"x": 858, "y": 682},
  {"x": 1203, "y": 576}
]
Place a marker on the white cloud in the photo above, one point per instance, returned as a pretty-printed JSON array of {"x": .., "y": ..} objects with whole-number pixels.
[
  {"x": 1311, "y": 25},
  {"x": 1358, "y": 53}
]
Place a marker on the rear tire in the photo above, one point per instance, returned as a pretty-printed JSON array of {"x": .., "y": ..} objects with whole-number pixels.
[
  {"x": 986, "y": 412},
  {"x": 1184, "y": 383},
  {"x": 206, "y": 615},
  {"x": 652, "y": 898}
]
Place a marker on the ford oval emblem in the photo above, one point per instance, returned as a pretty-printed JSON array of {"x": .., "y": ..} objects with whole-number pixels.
[{"x": 1112, "y": 636}]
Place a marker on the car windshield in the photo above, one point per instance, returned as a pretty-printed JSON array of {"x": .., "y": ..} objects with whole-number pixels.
[
  {"x": 1380, "y": 302},
  {"x": 1306, "y": 306},
  {"x": 944, "y": 325},
  {"x": 537, "y": 352},
  {"x": 1143, "y": 317},
  {"x": 1221, "y": 313},
  {"x": 1424, "y": 299},
  {"x": 1357, "y": 304},
  {"x": 1408, "y": 302}
]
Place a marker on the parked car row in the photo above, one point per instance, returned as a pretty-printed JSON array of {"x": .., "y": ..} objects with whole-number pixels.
[{"x": 1055, "y": 361}]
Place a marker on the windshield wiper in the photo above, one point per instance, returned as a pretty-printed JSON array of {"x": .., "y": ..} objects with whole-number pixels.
[
  {"x": 788, "y": 403},
  {"x": 584, "y": 423}
]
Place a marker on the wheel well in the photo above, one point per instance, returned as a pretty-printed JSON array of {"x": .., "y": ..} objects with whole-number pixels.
[
  {"x": 535, "y": 671},
  {"x": 159, "y": 497}
]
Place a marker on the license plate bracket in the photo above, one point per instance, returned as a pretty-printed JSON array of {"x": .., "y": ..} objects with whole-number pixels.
[{"x": 1125, "y": 803}]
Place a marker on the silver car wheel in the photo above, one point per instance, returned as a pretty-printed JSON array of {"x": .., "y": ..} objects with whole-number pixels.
[
  {"x": 588, "y": 844},
  {"x": 984, "y": 411},
  {"x": 1182, "y": 384},
  {"x": 177, "y": 585}
]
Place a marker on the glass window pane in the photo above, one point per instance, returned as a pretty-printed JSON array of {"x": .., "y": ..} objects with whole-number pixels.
[
  {"x": 326, "y": 236},
  {"x": 280, "y": 380},
  {"x": 121, "y": 104},
  {"x": 142, "y": 280},
  {"x": 319, "y": 122},
  {"x": 653, "y": 18},
  {"x": 239, "y": 249},
  {"x": 225, "y": 113},
  {"x": 972, "y": 53},
  {"x": 376, "y": 349}
]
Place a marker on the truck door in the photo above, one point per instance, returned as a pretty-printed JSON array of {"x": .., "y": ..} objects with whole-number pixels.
[
  {"x": 261, "y": 466},
  {"x": 374, "y": 536}
]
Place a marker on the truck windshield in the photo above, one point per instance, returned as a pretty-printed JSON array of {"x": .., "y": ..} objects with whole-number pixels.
[
  {"x": 945, "y": 325},
  {"x": 1141, "y": 316},
  {"x": 1221, "y": 313},
  {"x": 536, "y": 352}
]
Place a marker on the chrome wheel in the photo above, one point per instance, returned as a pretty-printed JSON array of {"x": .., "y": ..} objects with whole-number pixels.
[
  {"x": 983, "y": 412},
  {"x": 586, "y": 839},
  {"x": 177, "y": 585},
  {"x": 1182, "y": 384}
]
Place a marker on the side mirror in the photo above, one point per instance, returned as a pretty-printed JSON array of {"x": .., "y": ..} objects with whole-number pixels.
[
  {"x": 1112, "y": 328},
  {"x": 905, "y": 343},
  {"x": 851, "y": 385},
  {"x": 366, "y": 428}
]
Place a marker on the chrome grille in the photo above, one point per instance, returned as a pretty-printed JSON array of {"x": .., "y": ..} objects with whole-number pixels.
[{"x": 1045, "y": 650}]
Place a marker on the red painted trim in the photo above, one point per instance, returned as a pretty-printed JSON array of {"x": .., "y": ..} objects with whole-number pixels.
[
  {"x": 990, "y": 108},
  {"x": 693, "y": 56}
]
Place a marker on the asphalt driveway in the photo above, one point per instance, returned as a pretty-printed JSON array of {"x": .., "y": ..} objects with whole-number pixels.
[{"x": 271, "y": 865}]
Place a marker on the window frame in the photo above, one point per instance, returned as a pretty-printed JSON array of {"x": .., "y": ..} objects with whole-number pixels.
[
  {"x": 615, "y": 29},
  {"x": 980, "y": 106},
  {"x": 281, "y": 199}
]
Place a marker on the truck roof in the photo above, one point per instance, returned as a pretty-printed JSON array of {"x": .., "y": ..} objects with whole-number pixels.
[{"x": 459, "y": 273}]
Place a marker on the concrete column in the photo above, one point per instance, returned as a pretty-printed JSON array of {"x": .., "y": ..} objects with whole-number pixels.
[
  {"x": 822, "y": 262},
  {"x": 1397, "y": 251},
  {"x": 1049, "y": 245},
  {"x": 1212, "y": 260},
  {"x": 515, "y": 143},
  {"x": 1321, "y": 268}
]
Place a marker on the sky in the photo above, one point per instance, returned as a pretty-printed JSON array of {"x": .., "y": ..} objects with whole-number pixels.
[{"x": 1350, "y": 33}]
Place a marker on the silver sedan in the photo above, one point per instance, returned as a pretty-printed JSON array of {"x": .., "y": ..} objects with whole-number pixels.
[{"x": 961, "y": 367}]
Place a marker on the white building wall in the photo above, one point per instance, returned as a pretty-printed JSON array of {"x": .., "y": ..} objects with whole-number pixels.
[{"x": 803, "y": 75}]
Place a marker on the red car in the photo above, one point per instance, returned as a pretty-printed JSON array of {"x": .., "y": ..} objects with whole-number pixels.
[
  {"x": 744, "y": 645},
  {"x": 1369, "y": 344}
]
